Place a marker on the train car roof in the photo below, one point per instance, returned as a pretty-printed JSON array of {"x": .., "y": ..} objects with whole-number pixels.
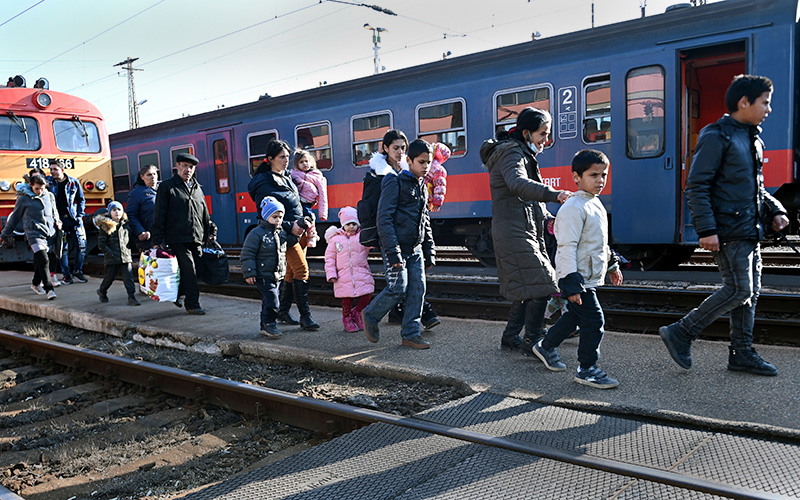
[{"x": 671, "y": 26}]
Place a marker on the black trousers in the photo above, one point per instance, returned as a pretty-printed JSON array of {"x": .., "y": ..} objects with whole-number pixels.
[
  {"x": 110, "y": 272},
  {"x": 188, "y": 254},
  {"x": 41, "y": 274}
]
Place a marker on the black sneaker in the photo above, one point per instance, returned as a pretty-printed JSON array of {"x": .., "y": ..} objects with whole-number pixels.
[
  {"x": 67, "y": 280},
  {"x": 272, "y": 332},
  {"x": 431, "y": 323},
  {"x": 103, "y": 296},
  {"x": 549, "y": 357},
  {"x": 679, "y": 347},
  {"x": 595, "y": 377},
  {"x": 80, "y": 277},
  {"x": 133, "y": 302},
  {"x": 748, "y": 360},
  {"x": 511, "y": 343},
  {"x": 395, "y": 316}
]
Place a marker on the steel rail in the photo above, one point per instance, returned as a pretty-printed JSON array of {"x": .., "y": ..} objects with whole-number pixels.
[{"x": 328, "y": 417}]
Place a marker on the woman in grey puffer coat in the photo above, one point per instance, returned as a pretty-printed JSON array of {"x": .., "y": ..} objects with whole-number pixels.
[
  {"x": 526, "y": 275},
  {"x": 36, "y": 208}
]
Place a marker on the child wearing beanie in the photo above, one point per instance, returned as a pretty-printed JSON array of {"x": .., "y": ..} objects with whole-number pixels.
[
  {"x": 113, "y": 240},
  {"x": 346, "y": 267},
  {"x": 263, "y": 261}
]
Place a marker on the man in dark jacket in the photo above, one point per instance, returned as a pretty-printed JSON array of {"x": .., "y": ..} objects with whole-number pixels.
[
  {"x": 730, "y": 207},
  {"x": 182, "y": 223},
  {"x": 71, "y": 208}
]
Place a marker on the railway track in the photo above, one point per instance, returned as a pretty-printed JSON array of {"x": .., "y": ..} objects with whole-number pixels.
[{"x": 95, "y": 385}]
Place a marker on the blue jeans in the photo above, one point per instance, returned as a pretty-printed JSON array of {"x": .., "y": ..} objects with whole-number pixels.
[
  {"x": 75, "y": 238},
  {"x": 589, "y": 317},
  {"x": 739, "y": 263},
  {"x": 402, "y": 282},
  {"x": 269, "y": 301}
]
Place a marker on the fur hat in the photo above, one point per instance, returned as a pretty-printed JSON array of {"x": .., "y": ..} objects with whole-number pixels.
[
  {"x": 113, "y": 205},
  {"x": 348, "y": 215},
  {"x": 269, "y": 206}
]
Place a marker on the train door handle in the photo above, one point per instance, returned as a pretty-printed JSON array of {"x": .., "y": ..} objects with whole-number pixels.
[{"x": 668, "y": 163}]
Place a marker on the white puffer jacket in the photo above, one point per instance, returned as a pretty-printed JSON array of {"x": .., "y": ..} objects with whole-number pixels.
[{"x": 581, "y": 230}]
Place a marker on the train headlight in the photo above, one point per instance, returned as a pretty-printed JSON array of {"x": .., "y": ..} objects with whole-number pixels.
[
  {"x": 42, "y": 99},
  {"x": 5, "y": 186},
  {"x": 88, "y": 185},
  {"x": 100, "y": 185}
]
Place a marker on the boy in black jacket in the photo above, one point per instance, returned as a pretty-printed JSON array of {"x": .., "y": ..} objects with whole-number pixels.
[
  {"x": 730, "y": 207},
  {"x": 406, "y": 245},
  {"x": 113, "y": 239}
]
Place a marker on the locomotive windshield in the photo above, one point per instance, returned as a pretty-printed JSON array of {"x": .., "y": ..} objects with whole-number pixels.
[
  {"x": 76, "y": 136},
  {"x": 19, "y": 133}
]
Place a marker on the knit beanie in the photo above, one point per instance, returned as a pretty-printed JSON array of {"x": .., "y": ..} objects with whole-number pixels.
[
  {"x": 269, "y": 206},
  {"x": 347, "y": 215},
  {"x": 113, "y": 205}
]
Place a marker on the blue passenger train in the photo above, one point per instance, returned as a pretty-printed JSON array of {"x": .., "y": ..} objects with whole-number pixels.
[{"x": 640, "y": 91}]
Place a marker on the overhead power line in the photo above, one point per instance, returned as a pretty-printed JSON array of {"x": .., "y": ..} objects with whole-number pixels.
[
  {"x": 24, "y": 11},
  {"x": 369, "y": 6}
]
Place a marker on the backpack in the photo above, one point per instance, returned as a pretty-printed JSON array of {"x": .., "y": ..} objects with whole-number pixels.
[{"x": 367, "y": 210}]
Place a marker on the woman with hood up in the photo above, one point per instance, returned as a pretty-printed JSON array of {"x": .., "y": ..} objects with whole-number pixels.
[{"x": 527, "y": 277}]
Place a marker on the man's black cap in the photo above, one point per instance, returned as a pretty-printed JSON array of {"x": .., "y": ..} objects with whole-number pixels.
[{"x": 186, "y": 157}]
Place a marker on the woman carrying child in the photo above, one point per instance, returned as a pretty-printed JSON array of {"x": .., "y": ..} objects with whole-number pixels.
[
  {"x": 112, "y": 238},
  {"x": 36, "y": 209},
  {"x": 272, "y": 179},
  {"x": 526, "y": 276},
  {"x": 347, "y": 268}
]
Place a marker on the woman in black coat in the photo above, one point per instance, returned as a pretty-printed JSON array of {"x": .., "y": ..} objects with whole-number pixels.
[
  {"x": 142, "y": 204},
  {"x": 526, "y": 276},
  {"x": 272, "y": 179}
]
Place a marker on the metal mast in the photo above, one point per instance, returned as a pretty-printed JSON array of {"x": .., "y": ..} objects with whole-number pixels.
[{"x": 133, "y": 109}]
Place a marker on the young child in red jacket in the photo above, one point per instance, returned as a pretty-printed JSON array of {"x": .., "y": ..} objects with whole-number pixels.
[{"x": 347, "y": 268}]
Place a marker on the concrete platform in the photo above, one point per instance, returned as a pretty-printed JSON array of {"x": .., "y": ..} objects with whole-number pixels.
[{"x": 464, "y": 351}]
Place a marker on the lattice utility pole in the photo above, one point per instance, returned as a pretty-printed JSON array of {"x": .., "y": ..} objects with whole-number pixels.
[{"x": 133, "y": 108}]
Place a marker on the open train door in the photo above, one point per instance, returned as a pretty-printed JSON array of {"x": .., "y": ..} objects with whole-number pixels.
[
  {"x": 706, "y": 73},
  {"x": 645, "y": 178},
  {"x": 218, "y": 184}
]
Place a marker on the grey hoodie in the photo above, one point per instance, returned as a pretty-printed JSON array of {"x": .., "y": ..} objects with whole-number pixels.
[{"x": 37, "y": 213}]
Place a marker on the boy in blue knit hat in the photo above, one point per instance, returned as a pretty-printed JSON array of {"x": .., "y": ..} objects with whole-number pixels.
[
  {"x": 113, "y": 238},
  {"x": 263, "y": 261}
]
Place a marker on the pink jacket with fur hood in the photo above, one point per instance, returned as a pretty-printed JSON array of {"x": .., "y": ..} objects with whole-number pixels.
[
  {"x": 313, "y": 188},
  {"x": 346, "y": 260}
]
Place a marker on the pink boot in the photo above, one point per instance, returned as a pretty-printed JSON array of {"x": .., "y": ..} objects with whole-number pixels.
[
  {"x": 349, "y": 324},
  {"x": 357, "y": 319}
]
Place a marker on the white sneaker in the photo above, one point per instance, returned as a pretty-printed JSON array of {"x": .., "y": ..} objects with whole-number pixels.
[
  {"x": 54, "y": 280},
  {"x": 37, "y": 289},
  {"x": 51, "y": 295}
]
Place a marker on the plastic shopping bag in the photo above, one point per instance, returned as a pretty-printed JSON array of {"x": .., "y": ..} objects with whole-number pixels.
[{"x": 159, "y": 275}]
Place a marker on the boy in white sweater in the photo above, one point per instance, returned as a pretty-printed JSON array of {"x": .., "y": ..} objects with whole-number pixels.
[{"x": 582, "y": 260}]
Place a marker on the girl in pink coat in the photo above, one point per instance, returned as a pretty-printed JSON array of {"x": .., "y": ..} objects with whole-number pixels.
[
  {"x": 313, "y": 190},
  {"x": 347, "y": 268}
]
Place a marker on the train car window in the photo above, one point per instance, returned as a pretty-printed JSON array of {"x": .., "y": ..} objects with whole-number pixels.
[
  {"x": 257, "y": 147},
  {"x": 597, "y": 109},
  {"x": 368, "y": 131},
  {"x": 444, "y": 122},
  {"x": 173, "y": 156},
  {"x": 221, "y": 172},
  {"x": 644, "y": 88},
  {"x": 121, "y": 175},
  {"x": 151, "y": 158},
  {"x": 508, "y": 104},
  {"x": 76, "y": 136},
  {"x": 316, "y": 138},
  {"x": 19, "y": 133}
]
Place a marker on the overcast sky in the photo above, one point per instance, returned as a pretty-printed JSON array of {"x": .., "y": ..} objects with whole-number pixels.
[{"x": 198, "y": 55}]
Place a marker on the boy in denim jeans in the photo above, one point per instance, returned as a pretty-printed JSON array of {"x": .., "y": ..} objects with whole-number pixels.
[
  {"x": 730, "y": 208},
  {"x": 406, "y": 244},
  {"x": 582, "y": 259}
]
